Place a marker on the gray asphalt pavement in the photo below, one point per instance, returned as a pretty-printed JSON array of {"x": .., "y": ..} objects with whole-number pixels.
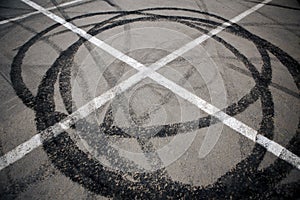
[{"x": 84, "y": 116}]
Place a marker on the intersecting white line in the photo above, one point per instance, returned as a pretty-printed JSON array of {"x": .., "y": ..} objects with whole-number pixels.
[
  {"x": 144, "y": 72},
  {"x": 37, "y": 12}
]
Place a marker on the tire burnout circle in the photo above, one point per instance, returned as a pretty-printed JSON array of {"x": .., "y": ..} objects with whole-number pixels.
[{"x": 245, "y": 180}]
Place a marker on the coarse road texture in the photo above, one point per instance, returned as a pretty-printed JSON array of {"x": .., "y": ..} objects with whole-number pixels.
[{"x": 149, "y": 99}]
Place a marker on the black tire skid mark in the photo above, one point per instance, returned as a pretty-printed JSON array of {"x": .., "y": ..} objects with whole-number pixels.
[{"x": 286, "y": 59}]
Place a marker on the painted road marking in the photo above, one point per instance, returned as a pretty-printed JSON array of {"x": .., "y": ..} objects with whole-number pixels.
[
  {"x": 245, "y": 130},
  {"x": 37, "y": 12}
]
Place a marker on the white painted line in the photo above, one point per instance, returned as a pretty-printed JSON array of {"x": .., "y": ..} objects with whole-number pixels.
[
  {"x": 20, "y": 151},
  {"x": 202, "y": 38},
  {"x": 37, "y": 12},
  {"x": 148, "y": 72},
  {"x": 28, "y": 146},
  {"x": 231, "y": 122}
]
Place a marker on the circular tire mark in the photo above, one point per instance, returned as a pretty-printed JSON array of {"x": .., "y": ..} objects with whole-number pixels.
[{"x": 245, "y": 180}]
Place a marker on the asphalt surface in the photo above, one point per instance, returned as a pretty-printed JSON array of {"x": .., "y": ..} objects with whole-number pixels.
[{"x": 148, "y": 142}]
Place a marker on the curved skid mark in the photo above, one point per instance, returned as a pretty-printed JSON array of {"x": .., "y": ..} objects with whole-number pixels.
[{"x": 146, "y": 185}]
